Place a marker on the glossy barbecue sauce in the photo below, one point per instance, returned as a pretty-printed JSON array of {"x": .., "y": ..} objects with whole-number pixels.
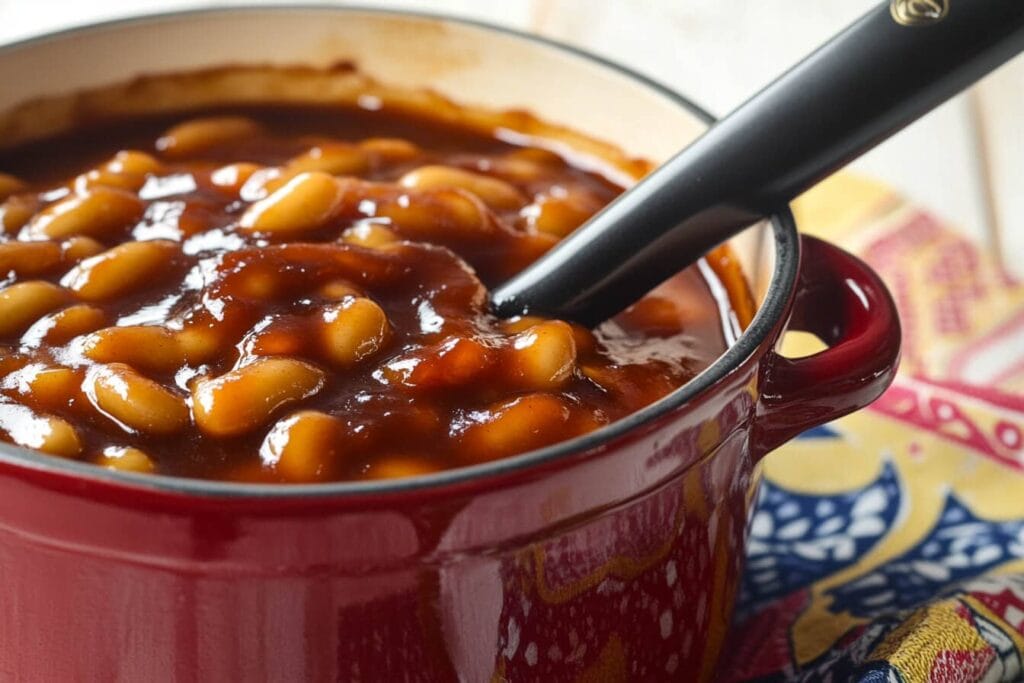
[{"x": 283, "y": 294}]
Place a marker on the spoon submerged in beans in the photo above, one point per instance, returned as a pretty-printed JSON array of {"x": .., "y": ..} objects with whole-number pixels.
[{"x": 891, "y": 67}]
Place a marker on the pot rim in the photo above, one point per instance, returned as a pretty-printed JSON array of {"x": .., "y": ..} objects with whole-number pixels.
[{"x": 768, "y": 316}]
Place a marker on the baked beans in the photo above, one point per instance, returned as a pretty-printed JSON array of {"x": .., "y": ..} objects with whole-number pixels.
[{"x": 283, "y": 294}]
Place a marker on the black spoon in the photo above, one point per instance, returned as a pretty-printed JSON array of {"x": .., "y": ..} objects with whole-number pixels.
[{"x": 886, "y": 70}]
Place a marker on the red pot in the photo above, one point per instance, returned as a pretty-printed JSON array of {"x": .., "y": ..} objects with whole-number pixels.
[{"x": 614, "y": 556}]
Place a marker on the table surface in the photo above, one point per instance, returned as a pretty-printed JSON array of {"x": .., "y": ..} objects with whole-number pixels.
[{"x": 965, "y": 161}]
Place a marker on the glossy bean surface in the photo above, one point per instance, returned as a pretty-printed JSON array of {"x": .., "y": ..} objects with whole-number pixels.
[{"x": 295, "y": 295}]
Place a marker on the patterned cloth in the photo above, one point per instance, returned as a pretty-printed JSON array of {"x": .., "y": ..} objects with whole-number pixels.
[{"x": 889, "y": 546}]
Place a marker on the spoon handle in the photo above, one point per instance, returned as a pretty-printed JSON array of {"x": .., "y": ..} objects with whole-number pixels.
[{"x": 895, "y": 64}]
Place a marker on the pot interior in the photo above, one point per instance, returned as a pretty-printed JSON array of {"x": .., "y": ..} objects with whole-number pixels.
[{"x": 336, "y": 55}]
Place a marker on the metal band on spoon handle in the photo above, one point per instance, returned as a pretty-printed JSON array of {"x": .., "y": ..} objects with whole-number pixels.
[{"x": 895, "y": 64}]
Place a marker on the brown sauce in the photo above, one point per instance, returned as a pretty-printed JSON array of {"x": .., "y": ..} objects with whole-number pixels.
[{"x": 300, "y": 294}]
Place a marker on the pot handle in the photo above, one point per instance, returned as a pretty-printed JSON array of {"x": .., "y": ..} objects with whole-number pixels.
[{"x": 842, "y": 300}]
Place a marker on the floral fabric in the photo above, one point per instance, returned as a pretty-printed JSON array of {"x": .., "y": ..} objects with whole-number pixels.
[{"x": 889, "y": 546}]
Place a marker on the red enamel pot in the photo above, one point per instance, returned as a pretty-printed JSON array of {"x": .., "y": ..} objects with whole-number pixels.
[{"x": 615, "y": 556}]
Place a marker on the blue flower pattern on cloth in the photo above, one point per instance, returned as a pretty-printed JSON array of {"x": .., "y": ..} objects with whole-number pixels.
[
  {"x": 797, "y": 539},
  {"x": 960, "y": 546}
]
